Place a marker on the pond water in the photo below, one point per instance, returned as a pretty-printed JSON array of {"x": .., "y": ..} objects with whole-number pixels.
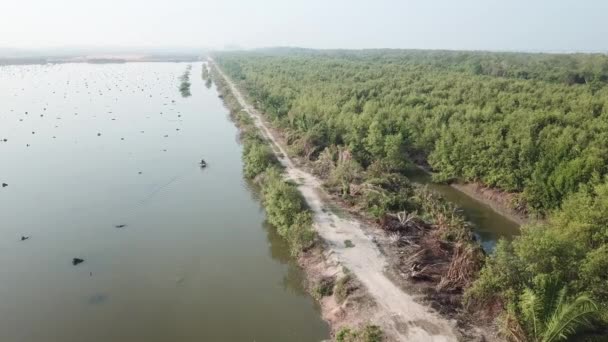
[
  {"x": 488, "y": 225},
  {"x": 90, "y": 147}
]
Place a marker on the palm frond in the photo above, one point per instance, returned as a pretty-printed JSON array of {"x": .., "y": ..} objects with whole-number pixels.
[
  {"x": 531, "y": 306},
  {"x": 553, "y": 296},
  {"x": 570, "y": 317}
]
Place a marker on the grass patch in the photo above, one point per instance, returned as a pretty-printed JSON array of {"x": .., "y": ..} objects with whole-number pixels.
[{"x": 369, "y": 333}]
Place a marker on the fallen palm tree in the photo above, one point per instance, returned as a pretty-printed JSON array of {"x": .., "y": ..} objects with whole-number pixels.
[
  {"x": 437, "y": 246},
  {"x": 463, "y": 269}
]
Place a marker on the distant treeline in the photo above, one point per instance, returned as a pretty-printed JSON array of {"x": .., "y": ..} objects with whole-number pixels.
[
  {"x": 97, "y": 60},
  {"x": 576, "y": 68},
  {"x": 22, "y": 61}
]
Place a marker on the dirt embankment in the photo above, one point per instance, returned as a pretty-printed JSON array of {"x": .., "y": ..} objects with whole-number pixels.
[{"x": 349, "y": 245}]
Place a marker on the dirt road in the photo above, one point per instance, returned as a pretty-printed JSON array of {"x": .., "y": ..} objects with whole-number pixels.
[{"x": 399, "y": 315}]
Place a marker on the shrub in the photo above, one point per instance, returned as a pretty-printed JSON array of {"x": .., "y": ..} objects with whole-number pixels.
[
  {"x": 257, "y": 157},
  {"x": 568, "y": 251},
  {"x": 286, "y": 211},
  {"x": 369, "y": 333},
  {"x": 324, "y": 288}
]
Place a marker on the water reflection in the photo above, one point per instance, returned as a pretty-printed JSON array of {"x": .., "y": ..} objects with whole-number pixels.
[
  {"x": 295, "y": 277},
  {"x": 279, "y": 250}
]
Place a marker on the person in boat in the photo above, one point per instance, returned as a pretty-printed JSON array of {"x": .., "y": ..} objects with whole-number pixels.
[{"x": 203, "y": 163}]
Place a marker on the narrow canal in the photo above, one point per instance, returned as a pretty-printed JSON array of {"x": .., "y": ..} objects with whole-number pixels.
[{"x": 488, "y": 225}]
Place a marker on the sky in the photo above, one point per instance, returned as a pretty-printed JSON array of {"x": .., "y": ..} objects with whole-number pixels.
[{"x": 520, "y": 25}]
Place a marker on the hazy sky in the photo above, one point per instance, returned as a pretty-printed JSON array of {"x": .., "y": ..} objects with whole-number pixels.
[{"x": 554, "y": 25}]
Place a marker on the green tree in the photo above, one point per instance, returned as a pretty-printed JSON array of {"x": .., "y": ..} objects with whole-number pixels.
[
  {"x": 345, "y": 173},
  {"x": 257, "y": 158}
]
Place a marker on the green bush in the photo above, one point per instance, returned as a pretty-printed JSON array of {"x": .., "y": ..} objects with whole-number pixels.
[
  {"x": 324, "y": 288},
  {"x": 257, "y": 157},
  {"x": 369, "y": 333},
  {"x": 286, "y": 210}
]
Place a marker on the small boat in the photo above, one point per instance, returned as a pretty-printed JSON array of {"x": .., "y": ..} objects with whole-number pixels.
[{"x": 203, "y": 163}]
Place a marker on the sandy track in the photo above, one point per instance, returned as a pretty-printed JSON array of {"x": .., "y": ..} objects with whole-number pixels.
[{"x": 400, "y": 316}]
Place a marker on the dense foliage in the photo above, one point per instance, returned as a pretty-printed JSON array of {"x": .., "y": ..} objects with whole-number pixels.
[
  {"x": 568, "y": 251},
  {"x": 532, "y": 124},
  {"x": 535, "y": 124}
]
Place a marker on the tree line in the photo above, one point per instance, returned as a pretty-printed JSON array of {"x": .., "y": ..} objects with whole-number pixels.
[{"x": 538, "y": 136}]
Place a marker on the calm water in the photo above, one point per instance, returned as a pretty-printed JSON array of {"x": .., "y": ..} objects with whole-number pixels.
[
  {"x": 195, "y": 261},
  {"x": 488, "y": 225}
]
